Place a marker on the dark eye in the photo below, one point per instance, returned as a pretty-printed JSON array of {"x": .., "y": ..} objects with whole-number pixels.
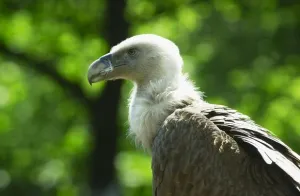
[{"x": 132, "y": 51}]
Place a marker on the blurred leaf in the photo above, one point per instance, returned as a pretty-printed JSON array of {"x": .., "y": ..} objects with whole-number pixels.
[{"x": 134, "y": 169}]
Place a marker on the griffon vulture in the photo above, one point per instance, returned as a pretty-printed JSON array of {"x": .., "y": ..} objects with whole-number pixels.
[{"x": 197, "y": 148}]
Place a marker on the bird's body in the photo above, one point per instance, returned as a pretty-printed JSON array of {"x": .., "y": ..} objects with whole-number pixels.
[{"x": 198, "y": 149}]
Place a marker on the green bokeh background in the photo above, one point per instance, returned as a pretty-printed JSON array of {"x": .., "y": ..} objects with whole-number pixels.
[{"x": 244, "y": 54}]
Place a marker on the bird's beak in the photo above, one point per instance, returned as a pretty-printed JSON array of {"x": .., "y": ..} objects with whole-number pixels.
[{"x": 99, "y": 68}]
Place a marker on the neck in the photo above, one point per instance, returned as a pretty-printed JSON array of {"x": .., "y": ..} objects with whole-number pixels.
[
  {"x": 153, "y": 101},
  {"x": 156, "y": 87}
]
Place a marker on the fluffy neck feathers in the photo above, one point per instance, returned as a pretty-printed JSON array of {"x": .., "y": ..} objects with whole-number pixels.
[{"x": 151, "y": 103}]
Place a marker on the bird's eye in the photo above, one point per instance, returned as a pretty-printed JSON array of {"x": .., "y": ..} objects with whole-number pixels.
[{"x": 132, "y": 51}]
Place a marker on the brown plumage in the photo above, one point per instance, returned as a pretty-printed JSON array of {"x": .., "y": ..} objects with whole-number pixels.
[
  {"x": 211, "y": 150},
  {"x": 197, "y": 148}
]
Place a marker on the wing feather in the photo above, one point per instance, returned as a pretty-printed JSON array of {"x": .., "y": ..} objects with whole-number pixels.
[{"x": 244, "y": 130}]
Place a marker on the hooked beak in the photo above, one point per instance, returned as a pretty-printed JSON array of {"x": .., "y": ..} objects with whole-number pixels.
[{"x": 99, "y": 68}]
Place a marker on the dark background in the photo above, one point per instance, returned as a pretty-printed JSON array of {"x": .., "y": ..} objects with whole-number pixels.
[{"x": 59, "y": 136}]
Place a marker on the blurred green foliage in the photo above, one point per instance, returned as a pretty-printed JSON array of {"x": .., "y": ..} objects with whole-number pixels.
[{"x": 244, "y": 54}]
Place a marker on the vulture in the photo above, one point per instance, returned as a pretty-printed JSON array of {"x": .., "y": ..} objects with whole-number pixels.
[{"x": 197, "y": 148}]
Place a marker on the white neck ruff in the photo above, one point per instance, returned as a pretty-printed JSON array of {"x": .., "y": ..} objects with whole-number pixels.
[{"x": 149, "y": 105}]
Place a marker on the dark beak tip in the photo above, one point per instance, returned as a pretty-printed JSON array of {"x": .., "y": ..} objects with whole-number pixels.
[{"x": 89, "y": 80}]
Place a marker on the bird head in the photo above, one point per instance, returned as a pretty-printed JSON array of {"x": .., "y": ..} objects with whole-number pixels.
[{"x": 141, "y": 58}]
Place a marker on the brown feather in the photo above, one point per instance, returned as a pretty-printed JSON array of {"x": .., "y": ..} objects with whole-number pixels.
[{"x": 198, "y": 151}]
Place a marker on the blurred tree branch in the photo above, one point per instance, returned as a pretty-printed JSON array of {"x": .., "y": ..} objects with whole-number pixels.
[
  {"x": 105, "y": 111},
  {"x": 45, "y": 67}
]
